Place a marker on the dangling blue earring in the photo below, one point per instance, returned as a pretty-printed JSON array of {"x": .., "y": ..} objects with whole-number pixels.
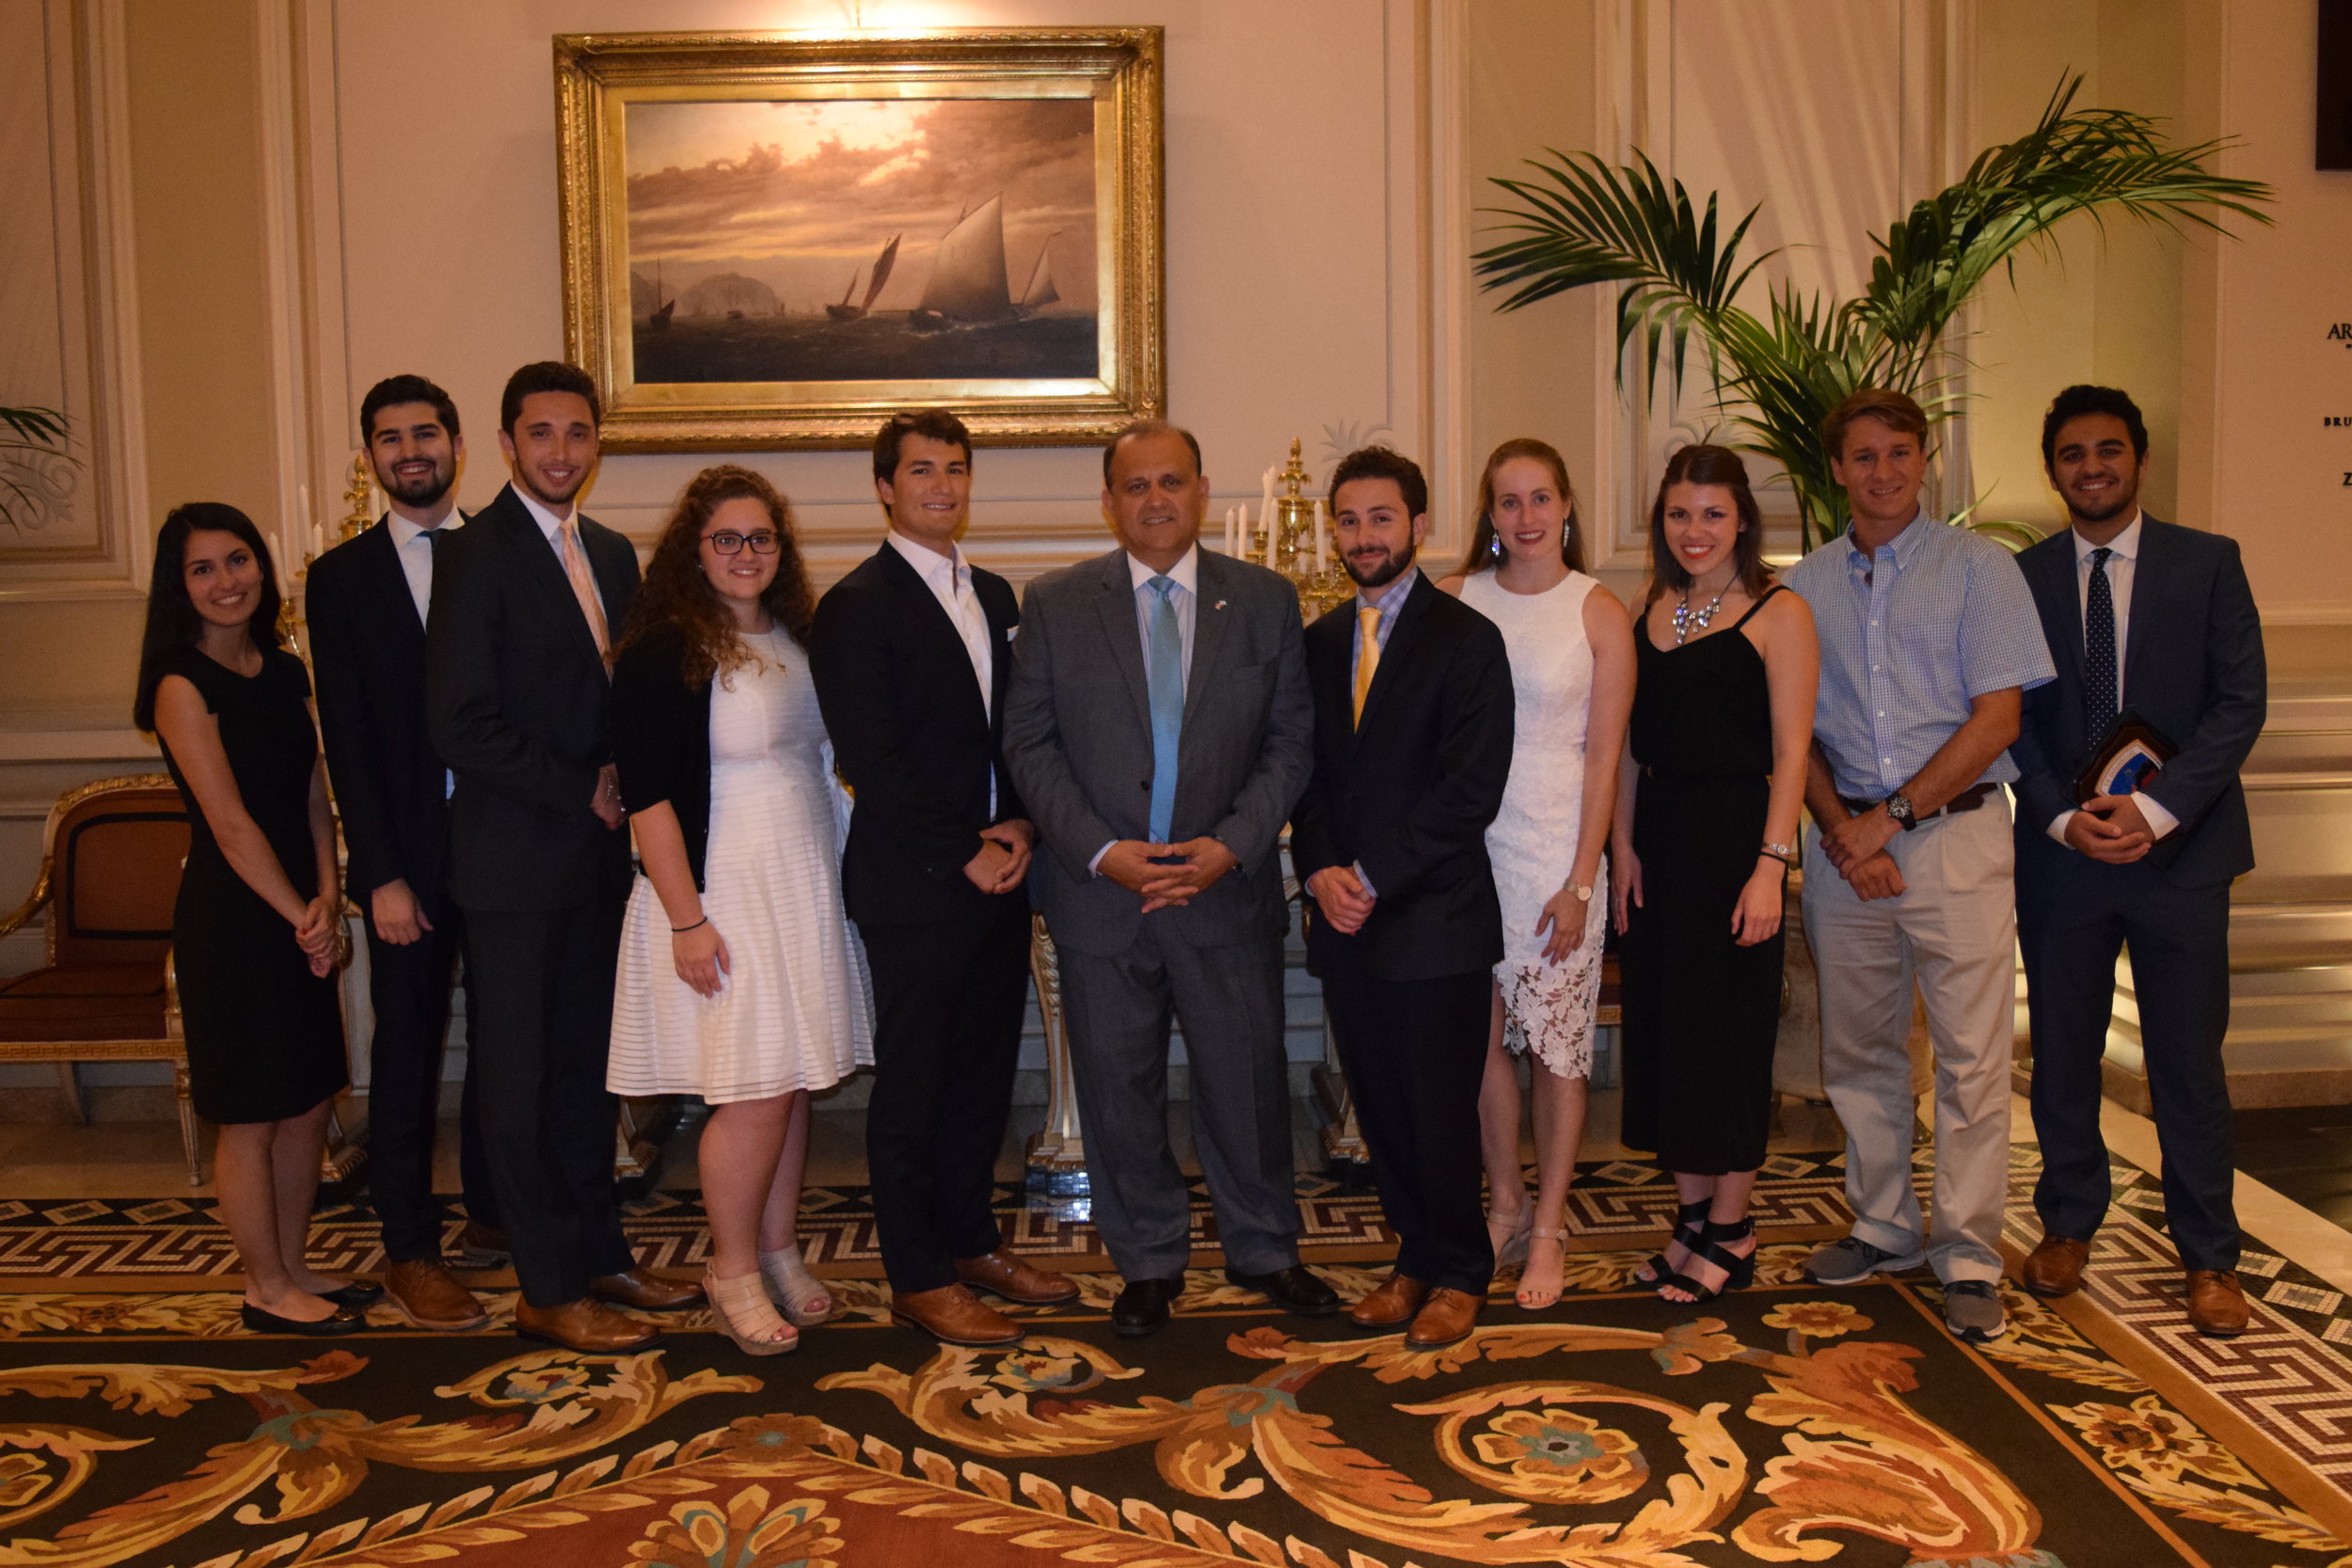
[{"x": 1494, "y": 545}]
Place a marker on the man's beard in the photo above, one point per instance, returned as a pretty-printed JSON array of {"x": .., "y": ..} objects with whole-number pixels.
[
  {"x": 1391, "y": 569},
  {"x": 421, "y": 492},
  {"x": 2122, "y": 498}
]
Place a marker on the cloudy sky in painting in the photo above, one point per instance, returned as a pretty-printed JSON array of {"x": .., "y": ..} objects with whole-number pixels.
[{"x": 796, "y": 194}]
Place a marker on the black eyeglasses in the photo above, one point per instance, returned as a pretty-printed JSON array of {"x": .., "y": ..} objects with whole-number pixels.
[{"x": 763, "y": 543}]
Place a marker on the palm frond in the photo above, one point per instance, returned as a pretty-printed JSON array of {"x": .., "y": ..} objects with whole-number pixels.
[
  {"x": 31, "y": 429},
  {"x": 1580, "y": 221}
]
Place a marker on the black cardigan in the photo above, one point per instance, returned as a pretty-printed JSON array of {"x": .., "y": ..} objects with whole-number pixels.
[{"x": 661, "y": 737}]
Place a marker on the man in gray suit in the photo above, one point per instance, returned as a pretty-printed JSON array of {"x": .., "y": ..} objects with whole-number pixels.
[{"x": 1159, "y": 727}]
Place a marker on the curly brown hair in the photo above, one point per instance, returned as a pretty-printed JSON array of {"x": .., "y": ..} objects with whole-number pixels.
[{"x": 676, "y": 596}]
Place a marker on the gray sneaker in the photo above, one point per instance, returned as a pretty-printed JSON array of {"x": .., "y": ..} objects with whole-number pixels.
[
  {"x": 1973, "y": 1311},
  {"x": 1853, "y": 1261}
]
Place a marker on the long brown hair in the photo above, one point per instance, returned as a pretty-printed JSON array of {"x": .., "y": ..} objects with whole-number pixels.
[
  {"x": 677, "y": 595},
  {"x": 1481, "y": 555},
  {"x": 172, "y": 621},
  {"x": 1706, "y": 464}
]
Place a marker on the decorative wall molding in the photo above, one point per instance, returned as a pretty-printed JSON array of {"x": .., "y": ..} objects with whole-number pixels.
[{"x": 83, "y": 67}]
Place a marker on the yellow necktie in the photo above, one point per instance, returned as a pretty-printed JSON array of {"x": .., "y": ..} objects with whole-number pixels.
[
  {"x": 1367, "y": 657},
  {"x": 584, "y": 585}
]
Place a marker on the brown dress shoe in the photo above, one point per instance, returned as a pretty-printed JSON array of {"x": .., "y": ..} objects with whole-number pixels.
[
  {"x": 584, "y": 1327},
  {"x": 1448, "y": 1315},
  {"x": 2216, "y": 1303},
  {"x": 953, "y": 1316},
  {"x": 2054, "y": 1268},
  {"x": 428, "y": 1295},
  {"x": 1392, "y": 1305},
  {"x": 1000, "y": 1274},
  {"x": 646, "y": 1293},
  {"x": 483, "y": 1246}
]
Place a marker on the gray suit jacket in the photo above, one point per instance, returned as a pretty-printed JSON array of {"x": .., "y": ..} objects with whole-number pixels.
[{"x": 1078, "y": 741}]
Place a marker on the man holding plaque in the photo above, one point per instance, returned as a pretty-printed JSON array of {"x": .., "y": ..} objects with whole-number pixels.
[{"x": 2159, "y": 658}]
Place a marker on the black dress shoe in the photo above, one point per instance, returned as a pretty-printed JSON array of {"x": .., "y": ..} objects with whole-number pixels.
[
  {"x": 1298, "y": 1289},
  {"x": 1142, "y": 1306},
  {"x": 344, "y": 1319},
  {"x": 359, "y": 1292}
]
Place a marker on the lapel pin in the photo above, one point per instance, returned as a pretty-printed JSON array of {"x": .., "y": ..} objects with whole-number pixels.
[{"x": 1219, "y": 604}]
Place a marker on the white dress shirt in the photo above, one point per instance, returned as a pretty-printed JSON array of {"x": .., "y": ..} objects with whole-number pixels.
[
  {"x": 1185, "y": 598},
  {"x": 2125, "y": 557},
  {"x": 949, "y": 578},
  {"x": 550, "y": 523},
  {"x": 413, "y": 547}
]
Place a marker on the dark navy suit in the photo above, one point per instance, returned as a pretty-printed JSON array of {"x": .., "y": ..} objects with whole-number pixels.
[{"x": 2193, "y": 668}]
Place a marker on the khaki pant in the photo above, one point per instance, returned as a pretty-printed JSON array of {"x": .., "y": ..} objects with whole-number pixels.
[{"x": 1953, "y": 934}]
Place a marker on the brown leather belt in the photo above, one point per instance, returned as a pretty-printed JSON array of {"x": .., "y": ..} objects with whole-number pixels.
[{"x": 1968, "y": 799}]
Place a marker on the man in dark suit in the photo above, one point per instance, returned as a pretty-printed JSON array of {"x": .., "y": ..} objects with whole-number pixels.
[
  {"x": 368, "y": 600},
  {"x": 911, "y": 655},
  {"x": 2157, "y": 623},
  {"x": 1159, "y": 730},
  {"x": 518, "y": 689},
  {"x": 1413, "y": 723}
]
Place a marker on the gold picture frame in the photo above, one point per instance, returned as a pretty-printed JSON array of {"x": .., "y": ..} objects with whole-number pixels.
[{"x": 994, "y": 198}]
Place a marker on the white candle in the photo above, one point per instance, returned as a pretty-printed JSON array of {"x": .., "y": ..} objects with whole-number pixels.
[
  {"x": 1229, "y": 531},
  {"x": 1266, "y": 512},
  {"x": 1319, "y": 556}
]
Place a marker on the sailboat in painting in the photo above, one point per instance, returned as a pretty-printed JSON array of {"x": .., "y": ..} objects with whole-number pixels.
[
  {"x": 845, "y": 312},
  {"x": 969, "y": 282}
]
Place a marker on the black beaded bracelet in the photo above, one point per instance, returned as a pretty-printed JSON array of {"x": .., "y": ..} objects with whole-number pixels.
[
  {"x": 1768, "y": 855},
  {"x": 681, "y": 930}
]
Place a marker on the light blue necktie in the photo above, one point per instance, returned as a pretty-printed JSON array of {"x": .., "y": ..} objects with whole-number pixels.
[{"x": 1168, "y": 706}]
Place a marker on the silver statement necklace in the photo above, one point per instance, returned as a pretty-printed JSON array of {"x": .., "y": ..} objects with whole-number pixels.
[{"x": 1687, "y": 620}]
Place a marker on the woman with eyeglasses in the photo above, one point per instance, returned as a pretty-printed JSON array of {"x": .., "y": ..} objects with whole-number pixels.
[{"x": 740, "y": 980}]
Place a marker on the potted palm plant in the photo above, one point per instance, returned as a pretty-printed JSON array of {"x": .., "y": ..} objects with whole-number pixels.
[{"x": 1581, "y": 221}]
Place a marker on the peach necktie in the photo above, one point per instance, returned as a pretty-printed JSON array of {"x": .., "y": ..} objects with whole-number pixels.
[
  {"x": 584, "y": 585},
  {"x": 1367, "y": 655}
]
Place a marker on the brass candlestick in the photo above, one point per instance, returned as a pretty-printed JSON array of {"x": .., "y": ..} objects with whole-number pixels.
[{"x": 1284, "y": 540}]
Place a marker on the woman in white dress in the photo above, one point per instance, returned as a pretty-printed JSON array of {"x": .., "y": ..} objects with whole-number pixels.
[
  {"x": 1571, "y": 647},
  {"x": 741, "y": 980}
]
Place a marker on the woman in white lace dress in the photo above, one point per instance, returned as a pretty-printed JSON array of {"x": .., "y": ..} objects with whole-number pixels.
[
  {"x": 741, "y": 980},
  {"x": 1571, "y": 646}
]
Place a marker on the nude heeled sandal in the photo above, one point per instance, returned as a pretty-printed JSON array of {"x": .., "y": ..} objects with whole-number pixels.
[
  {"x": 743, "y": 1300},
  {"x": 803, "y": 1297},
  {"x": 1540, "y": 1234},
  {"x": 1513, "y": 1248}
]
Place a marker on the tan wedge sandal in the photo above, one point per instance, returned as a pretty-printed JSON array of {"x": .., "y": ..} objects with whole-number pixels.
[{"x": 746, "y": 1316}]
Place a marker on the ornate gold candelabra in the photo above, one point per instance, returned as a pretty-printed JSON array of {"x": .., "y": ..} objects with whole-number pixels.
[{"x": 1288, "y": 536}]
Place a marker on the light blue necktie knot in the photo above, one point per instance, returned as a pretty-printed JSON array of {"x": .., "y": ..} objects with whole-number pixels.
[{"x": 1168, "y": 706}]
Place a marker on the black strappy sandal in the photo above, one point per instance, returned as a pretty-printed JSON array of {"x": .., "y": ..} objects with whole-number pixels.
[
  {"x": 1689, "y": 1221},
  {"x": 1739, "y": 1271}
]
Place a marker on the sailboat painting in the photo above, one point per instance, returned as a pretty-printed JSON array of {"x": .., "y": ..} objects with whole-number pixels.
[
  {"x": 934, "y": 209},
  {"x": 769, "y": 239}
]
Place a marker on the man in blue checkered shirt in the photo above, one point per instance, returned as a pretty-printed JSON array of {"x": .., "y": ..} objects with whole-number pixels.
[{"x": 1928, "y": 639}]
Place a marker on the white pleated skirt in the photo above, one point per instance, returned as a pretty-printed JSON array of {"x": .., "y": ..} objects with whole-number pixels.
[{"x": 795, "y": 1011}]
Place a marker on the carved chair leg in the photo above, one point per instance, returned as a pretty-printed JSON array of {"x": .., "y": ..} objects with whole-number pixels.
[
  {"x": 73, "y": 1086},
  {"x": 188, "y": 1133}
]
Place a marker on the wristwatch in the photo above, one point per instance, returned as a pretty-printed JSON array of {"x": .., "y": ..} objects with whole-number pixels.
[
  {"x": 1898, "y": 807},
  {"x": 1583, "y": 894}
]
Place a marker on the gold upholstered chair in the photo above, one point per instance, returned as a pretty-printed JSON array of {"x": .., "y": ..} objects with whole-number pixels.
[{"x": 110, "y": 861}]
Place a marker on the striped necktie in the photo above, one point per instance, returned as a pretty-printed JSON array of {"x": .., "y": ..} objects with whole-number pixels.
[{"x": 584, "y": 585}]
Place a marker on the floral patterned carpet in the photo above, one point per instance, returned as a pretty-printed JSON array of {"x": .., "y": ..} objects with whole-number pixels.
[{"x": 1784, "y": 1423}]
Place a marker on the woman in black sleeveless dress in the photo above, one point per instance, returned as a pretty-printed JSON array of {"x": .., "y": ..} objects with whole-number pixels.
[
  {"x": 1723, "y": 723},
  {"x": 256, "y": 930}
]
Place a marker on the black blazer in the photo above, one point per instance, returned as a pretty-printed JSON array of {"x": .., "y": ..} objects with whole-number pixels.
[
  {"x": 1408, "y": 794},
  {"x": 912, "y": 738},
  {"x": 367, "y": 646},
  {"x": 661, "y": 737},
  {"x": 518, "y": 704},
  {"x": 2193, "y": 668}
]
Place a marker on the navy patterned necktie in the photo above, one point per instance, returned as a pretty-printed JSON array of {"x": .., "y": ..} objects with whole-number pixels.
[{"x": 2099, "y": 691}]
